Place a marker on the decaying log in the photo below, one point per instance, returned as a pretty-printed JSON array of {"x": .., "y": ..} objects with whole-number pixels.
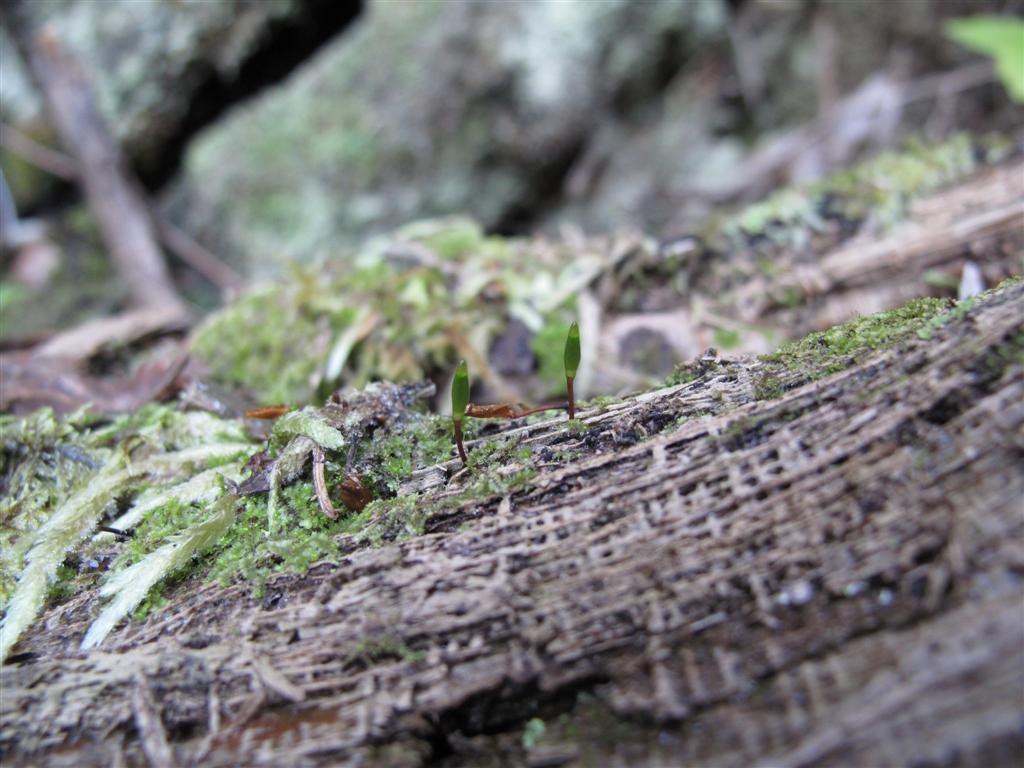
[
  {"x": 981, "y": 219},
  {"x": 117, "y": 203},
  {"x": 833, "y": 577}
]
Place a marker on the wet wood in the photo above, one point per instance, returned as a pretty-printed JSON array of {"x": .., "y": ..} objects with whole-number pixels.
[{"x": 830, "y": 578}]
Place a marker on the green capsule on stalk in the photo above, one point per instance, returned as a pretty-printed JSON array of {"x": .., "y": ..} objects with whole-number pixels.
[
  {"x": 572, "y": 363},
  {"x": 460, "y": 399}
]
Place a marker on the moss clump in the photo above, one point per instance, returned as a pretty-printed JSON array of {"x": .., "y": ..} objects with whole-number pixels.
[
  {"x": 768, "y": 387},
  {"x": 247, "y": 345},
  {"x": 825, "y": 352},
  {"x": 822, "y": 353},
  {"x": 391, "y": 455},
  {"x": 248, "y": 552},
  {"x": 877, "y": 192},
  {"x": 386, "y": 520},
  {"x": 394, "y": 312}
]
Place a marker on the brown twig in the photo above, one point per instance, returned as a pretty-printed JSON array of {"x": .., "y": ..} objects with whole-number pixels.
[
  {"x": 112, "y": 194},
  {"x": 186, "y": 248},
  {"x": 179, "y": 242},
  {"x": 320, "y": 483},
  {"x": 31, "y": 151}
]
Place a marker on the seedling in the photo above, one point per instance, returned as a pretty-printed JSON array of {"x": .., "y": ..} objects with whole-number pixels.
[
  {"x": 460, "y": 399},
  {"x": 572, "y": 363}
]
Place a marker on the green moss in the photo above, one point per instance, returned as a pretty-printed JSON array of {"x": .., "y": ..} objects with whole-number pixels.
[
  {"x": 692, "y": 370},
  {"x": 577, "y": 426},
  {"x": 248, "y": 552},
  {"x": 388, "y": 520},
  {"x": 153, "y": 602},
  {"x": 768, "y": 387},
  {"x": 726, "y": 338},
  {"x": 257, "y": 344},
  {"x": 822, "y": 353},
  {"x": 819, "y": 354},
  {"x": 601, "y": 401},
  {"x": 376, "y": 649},
  {"x": 454, "y": 239},
  {"x": 878, "y": 191},
  {"x": 392, "y": 455},
  {"x": 533, "y": 732}
]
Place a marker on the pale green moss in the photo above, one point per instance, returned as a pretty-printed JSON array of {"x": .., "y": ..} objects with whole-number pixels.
[
  {"x": 828, "y": 351},
  {"x": 820, "y": 354},
  {"x": 421, "y": 307},
  {"x": 877, "y": 192}
]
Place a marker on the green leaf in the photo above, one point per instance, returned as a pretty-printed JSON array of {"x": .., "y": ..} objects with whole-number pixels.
[
  {"x": 572, "y": 351},
  {"x": 460, "y": 391},
  {"x": 1001, "y": 38}
]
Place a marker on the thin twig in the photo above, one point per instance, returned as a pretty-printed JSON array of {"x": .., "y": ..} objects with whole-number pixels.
[
  {"x": 186, "y": 248},
  {"x": 31, "y": 151},
  {"x": 320, "y": 483},
  {"x": 179, "y": 242}
]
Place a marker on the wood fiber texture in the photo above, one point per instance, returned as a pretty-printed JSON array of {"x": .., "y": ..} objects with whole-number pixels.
[{"x": 833, "y": 577}]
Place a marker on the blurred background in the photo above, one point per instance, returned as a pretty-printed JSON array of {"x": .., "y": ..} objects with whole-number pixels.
[{"x": 277, "y": 140}]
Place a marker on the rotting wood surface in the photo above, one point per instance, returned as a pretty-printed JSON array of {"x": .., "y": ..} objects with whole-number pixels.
[{"x": 830, "y": 578}]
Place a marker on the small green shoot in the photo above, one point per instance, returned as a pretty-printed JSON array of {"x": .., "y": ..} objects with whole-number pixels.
[
  {"x": 572, "y": 363},
  {"x": 460, "y": 399}
]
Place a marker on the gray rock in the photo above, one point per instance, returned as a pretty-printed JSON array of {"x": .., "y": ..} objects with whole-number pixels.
[
  {"x": 426, "y": 109},
  {"x": 162, "y": 68}
]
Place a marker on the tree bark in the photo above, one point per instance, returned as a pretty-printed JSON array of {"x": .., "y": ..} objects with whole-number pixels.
[{"x": 829, "y": 578}]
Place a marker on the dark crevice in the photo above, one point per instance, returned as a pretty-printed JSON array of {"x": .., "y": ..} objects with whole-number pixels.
[
  {"x": 285, "y": 44},
  {"x": 543, "y": 193},
  {"x": 502, "y": 710}
]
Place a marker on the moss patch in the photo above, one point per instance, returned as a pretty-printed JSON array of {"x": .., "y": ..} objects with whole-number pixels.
[
  {"x": 401, "y": 310},
  {"x": 822, "y": 353},
  {"x": 877, "y": 192}
]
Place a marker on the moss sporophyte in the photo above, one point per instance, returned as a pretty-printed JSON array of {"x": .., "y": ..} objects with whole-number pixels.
[
  {"x": 461, "y": 407},
  {"x": 572, "y": 363},
  {"x": 460, "y": 399}
]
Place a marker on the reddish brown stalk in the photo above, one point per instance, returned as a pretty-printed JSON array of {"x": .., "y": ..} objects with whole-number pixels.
[
  {"x": 267, "y": 412},
  {"x": 320, "y": 483},
  {"x": 572, "y": 397},
  {"x": 506, "y": 410},
  {"x": 458, "y": 442}
]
